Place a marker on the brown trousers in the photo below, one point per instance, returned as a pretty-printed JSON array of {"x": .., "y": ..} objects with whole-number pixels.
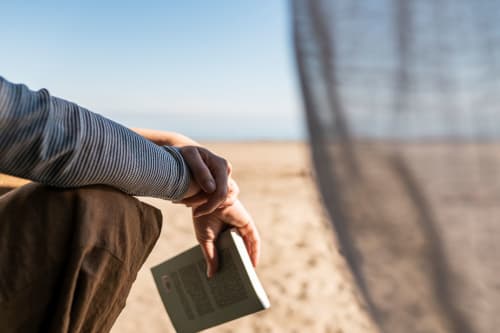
[{"x": 68, "y": 258}]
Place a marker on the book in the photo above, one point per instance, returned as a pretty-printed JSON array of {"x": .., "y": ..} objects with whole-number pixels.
[{"x": 195, "y": 302}]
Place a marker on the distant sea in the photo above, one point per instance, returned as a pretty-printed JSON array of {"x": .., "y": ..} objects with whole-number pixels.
[
  {"x": 220, "y": 127},
  {"x": 480, "y": 127}
]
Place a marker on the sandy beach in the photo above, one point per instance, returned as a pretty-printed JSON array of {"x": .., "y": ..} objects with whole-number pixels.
[{"x": 301, "y": 268}]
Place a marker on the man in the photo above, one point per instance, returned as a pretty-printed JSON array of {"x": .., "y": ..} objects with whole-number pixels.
[{"x": 57, "y": 143}]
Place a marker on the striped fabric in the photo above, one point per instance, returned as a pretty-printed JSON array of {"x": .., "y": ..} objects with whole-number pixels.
[{"x": 56, "y": 142}]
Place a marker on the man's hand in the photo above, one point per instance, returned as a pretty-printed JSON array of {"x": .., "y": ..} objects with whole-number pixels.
[
  {"x": 211, "y": 187},
  {"x": 212, "y": 195},
  {"x": 211, "y": 173},
  {"x": 208, "y": 227},
  {"x": 201, "y": 197}
]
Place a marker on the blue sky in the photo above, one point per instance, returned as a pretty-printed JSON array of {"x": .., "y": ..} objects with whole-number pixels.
[{"x": 174, "y": 65}]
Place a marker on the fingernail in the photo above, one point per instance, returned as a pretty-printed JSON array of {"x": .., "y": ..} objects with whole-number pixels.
[{"x": 209, "y": 275}]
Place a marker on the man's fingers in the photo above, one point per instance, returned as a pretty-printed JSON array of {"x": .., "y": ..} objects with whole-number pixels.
[
  {"x": 199, "y": 169},
  {"x": 246, "y": 227},
  {"x": 201, "y": 198},
  {"x": 252, "y": 242},
  {"x": 195, "y": 200},
  {"x": 232, "y": 195},
  {"x": 214, "y": 201},
  {"x": 219, "y": 168},
  {"x": 211, "y": 172},
  {"x": 210, "y": 254}
]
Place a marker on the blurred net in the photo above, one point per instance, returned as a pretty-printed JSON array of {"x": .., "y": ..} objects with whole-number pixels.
[{"x": 402, "y": 103}]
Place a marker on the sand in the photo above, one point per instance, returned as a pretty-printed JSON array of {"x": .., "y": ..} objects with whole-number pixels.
[{"x": 301, "y": 268}]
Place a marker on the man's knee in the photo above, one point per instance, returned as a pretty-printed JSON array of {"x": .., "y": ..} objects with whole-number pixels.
[
  {"x": 58, "y": 245},
  {"x": 94, "y": 215}
]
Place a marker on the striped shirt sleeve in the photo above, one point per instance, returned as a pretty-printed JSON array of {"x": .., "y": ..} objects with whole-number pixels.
[{"x": 56, "y": 142}]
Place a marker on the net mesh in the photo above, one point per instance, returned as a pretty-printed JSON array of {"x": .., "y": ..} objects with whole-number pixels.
[{"x": 402, "y": 105}]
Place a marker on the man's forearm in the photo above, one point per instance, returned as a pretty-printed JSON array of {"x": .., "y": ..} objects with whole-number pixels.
[
  {"x": 164, "y": 138},
  {"x": 53, "y": 141}
]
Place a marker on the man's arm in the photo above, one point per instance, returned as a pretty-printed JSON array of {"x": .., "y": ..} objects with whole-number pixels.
[
  {"x": 166, "y": 138},
  {"x": 231, "y": 211},
  {"x": 56, "y": 142},
  {"x": 207, "y": 168}
]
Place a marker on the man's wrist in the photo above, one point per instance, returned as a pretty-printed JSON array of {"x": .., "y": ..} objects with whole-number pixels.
[{"x": 183, "y": 176}]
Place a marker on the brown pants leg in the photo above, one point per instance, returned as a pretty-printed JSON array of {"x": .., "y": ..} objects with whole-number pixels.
[{"x": 69, "y": 257}]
